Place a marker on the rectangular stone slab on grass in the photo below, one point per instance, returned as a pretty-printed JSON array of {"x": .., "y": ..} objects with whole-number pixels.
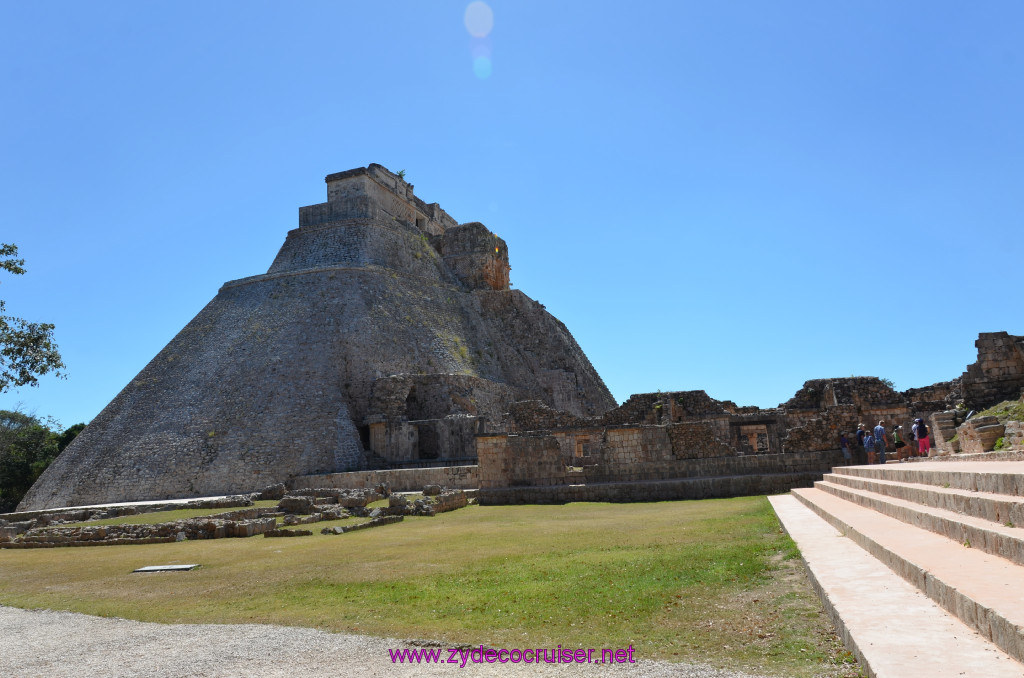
[{"x": 167, "y": 568}]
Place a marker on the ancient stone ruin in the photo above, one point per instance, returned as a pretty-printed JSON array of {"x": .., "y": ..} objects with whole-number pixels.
[
  {"x": 383, "y": 333},
  {"x": 384, "y": 345},
  {"x": 82, "y": 526},
  {"x": 682, "y": 445}
]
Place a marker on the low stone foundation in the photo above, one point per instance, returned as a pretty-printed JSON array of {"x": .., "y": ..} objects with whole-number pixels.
[
  {"x": 215, "y": 527},
  {"x": 44, "y": 517},
  {"x": 659, "y": 490},
  {"x": 398, "y": 480},
  {"x": 652, "y": 480},
  {"x": 376, "y": 522},
  {"x": 448, "y": 500}
]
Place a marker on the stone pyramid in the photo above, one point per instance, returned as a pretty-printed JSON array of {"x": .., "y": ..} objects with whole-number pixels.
[{"x": 384, "y": 334}]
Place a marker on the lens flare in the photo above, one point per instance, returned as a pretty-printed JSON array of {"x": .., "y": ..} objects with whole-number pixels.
[
  {"x": 479, "y": 19},
  {"x": 480, "y": 48},
  {"x": 482, "y": 67}
]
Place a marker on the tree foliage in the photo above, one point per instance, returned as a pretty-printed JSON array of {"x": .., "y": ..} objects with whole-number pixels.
[
  {"x": 27, "y": 446},
  {"x": 27, "y": 350}
]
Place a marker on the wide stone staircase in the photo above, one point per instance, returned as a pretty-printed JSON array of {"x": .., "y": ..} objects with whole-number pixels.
[{"x": 953, "y": 531}]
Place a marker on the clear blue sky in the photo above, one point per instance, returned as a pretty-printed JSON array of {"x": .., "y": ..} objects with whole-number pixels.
[{"x": 728, "y": 196}]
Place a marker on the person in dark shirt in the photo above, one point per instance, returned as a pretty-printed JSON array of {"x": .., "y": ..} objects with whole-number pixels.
[
  {"x": 921, "y": 435},
  {"x": 881, "y": 438},
  {"x": 902, "y": 451}
]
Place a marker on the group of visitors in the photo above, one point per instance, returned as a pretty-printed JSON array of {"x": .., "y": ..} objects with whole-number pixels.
[{"x": 872, "y": 445}]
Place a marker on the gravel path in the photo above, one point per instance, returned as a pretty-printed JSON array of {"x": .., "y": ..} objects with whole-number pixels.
[{"x": 57, "y": 644}]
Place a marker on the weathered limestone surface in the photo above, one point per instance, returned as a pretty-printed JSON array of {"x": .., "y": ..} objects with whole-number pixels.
[
  {"x": 999, "y": 372},
  {"x": 979, "y": 434},
  {"x": 1014, "y": 435},
  {"x": 217, "y": 527},
  {"x": 942, "y": 430},
  {"x": 399, "y": 480},
  {"x": 685, "y": 444},
  {"x": 274, "y": 377}
]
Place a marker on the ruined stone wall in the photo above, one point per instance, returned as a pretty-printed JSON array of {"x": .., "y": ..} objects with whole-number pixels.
[
  {"x": 821, "y": 430},
  {"x": 1014, "y": 435},
  {"x": 604, "y": 455},
  {"x": 434, "y": 396},
  {"x": 664, "y": 408},
  {"x": 700, "y": 479},
  {"x": 535, "y": 415},
  {"x": 999, "y": 372},
  {"x": 398, "y": 480},
  {"x": 934, "y": 398},
  {"x": 477, "y": 257},
  {"x": 979, "y": 434},
  {"x": 820, "y": 394},
  {"x": 528, "y": 459}
]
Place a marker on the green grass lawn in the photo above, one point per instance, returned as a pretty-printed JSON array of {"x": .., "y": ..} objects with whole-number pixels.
[{"x": 712, "y": 581}]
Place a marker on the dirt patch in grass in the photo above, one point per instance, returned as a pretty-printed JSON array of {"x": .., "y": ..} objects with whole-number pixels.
[{"x": 778, "y": 618}]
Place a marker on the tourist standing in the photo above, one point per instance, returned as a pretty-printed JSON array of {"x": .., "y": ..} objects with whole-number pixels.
[
  {"x": 898, "y": 443},
  {"x": 862, "y": 457},
  {"x": 921, "y": 433},
  {"x": 869, "y": 448},
  {"x": 881, "y": 438},
  {"x": 844, "y": 445}
]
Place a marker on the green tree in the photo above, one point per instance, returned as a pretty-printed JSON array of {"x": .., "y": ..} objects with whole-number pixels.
[
  {"x": 27, "y": 446},
  {"x": 27, "y": 350}
]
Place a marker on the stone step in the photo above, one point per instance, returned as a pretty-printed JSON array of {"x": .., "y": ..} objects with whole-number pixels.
[
  {"x": 982, "y": 590},
  {"x": 990, "y": 537},
  {"x": 998, "y": 477},
  {"x": 893, "y": 629},
  {"x": 999, "y": 508}
]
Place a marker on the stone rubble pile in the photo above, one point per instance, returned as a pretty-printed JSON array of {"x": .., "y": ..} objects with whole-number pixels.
[
  {"x": 81, "y": 515},
  {"x": 979, "y": 434},
  {"x": 376, "y": 522},
  {"x": 44, "y": 528},
  {"x": 297, "y": 507},
  {"x": 287, "y": 533},
  {"x": 108, "y": 535},
  {"x": 953, "y": 433},
  {"x": 435, "y": 500}
]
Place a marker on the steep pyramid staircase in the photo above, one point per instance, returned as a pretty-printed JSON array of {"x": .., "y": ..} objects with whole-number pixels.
[{"x": 953, "y": 532}]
